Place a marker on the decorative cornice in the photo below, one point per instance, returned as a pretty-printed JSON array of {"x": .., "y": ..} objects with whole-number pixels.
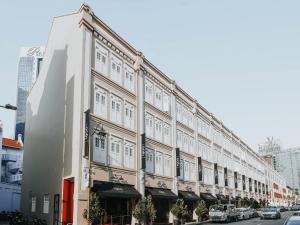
[
  {"x": 113, "y": 47},
  {"x": 155, "y": 80},
  {"x": 113, "y": 84},
  {"x": 113, "y": 126},
  {"x": 164, "y": 114},
  {"x": 159, "y": 144},
  {"x": 185, "y": 127}
]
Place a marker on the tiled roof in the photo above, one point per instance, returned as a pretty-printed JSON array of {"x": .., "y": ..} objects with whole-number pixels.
[{"x": 11, "y": 143}]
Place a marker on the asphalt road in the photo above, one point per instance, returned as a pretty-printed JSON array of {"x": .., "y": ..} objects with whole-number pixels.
[{"x": 258, "y": 221}]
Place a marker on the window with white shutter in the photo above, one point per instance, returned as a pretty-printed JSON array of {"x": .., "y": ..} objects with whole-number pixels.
[
  {"x": 149, "y": 92},
  {"x": 179, "y": 139},
  {"x": 167, "y": 165},
  {"x": 158, "y": 129},
  {"x": 178, "y": 111},
  {"x": 116, "y": 69},
  {"x": 100, "y": 102},
  {"x": 166, "y": 134},
  {"x": 129, "y": 80},
  {"x": 129, "y": 115},
  {"x": 101, "y": 56},
  {"x": 46, "y": 204},
  {"x": 115, "y": 151},
  {"x": 99, "y": 149},
  {"x": 186, "y": 170},
  {"x": 149, "y": 160},
  {"x": 149, "y": 125},
  {"x": 158, "y": 163},
  {"x": 192, "y": 172},
  {"x": 116, "y": 109},
  {"x": 166, "y": 102},
  {"x": 129, "y": 155},
  {"x": 158, "y": 97}
]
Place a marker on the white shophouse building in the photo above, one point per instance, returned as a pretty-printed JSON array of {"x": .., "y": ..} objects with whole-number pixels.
[{"x": 88, "y": 67}]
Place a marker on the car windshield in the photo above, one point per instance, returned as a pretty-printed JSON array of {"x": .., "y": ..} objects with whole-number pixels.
[
  {"x": 293, "y": 221},
  {"x": 215, "y": 208},
  {"x": 269, "y": 210}
]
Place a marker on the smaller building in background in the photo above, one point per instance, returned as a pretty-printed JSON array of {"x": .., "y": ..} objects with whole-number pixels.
[
  {"x": 30, "y": 63},
  {"x": 11, "y": 163}
]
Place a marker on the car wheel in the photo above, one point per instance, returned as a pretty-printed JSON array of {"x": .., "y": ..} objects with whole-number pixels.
[{"x": 243, "y": 217}]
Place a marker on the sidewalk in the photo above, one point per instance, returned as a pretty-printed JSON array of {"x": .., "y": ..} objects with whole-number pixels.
[{"x": 196, "y": 223}]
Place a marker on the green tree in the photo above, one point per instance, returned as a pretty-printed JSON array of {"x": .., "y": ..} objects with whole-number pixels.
[
  {"x": 95, "y": 211},
  {"x": 146, "y": 211},
  {"x": 239, "y": 203},
  {"x": 201, "y": 209},
  {"x": 150, "y": 210},
  {"x": 179, "y": 209},
  {"x": 139, "y": 212}
]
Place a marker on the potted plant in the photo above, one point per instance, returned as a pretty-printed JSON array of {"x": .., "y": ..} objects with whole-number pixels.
[
  {"x": 150, "y": 210},
  {"x": 201, "y": 210},
  {"x": 95, "y": 213},
  {"x": 139, "y": 212},
  {"x": 179, "y": 209},
  {"x": 145, "y": 210}
]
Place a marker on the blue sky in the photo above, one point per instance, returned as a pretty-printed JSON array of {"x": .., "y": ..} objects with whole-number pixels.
[{"x": 240, "y": 59}]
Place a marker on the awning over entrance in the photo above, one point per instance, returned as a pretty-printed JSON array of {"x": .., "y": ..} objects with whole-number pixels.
[
  {"x": 208, "y": 197},
  {"x": 222, "y": 198},
  {"x": 107, "y": 189},
  {"x": 188, "y": 196},
  {"x": 159, "y": 193}
]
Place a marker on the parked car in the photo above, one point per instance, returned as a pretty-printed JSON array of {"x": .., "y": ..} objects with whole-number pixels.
[
  {"x": 270, "y": 213},
  {"x": 293, "y": 220},
  {"x": 295, "y": 208},
  {"x": 254, "y": 213},
  {"x": 296, "y": 213},
  {"x": 245, "y": 213},
  {"x": 223, "y": 213},
  {"x": 282, "y": 208}
]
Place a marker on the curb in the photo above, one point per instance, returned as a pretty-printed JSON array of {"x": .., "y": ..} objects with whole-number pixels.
[{"x": 196, "y": 223}]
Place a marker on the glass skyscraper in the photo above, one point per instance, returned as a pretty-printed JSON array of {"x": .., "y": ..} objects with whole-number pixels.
[{"x": 30, "y": 63}]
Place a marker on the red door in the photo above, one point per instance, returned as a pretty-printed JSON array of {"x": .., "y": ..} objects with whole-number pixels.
[{"x": 68, "y": 202}]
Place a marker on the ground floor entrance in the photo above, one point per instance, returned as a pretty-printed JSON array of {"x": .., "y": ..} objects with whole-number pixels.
[
  {"x": 162, "y": 200},
  {"x": 118, "y": 202}
]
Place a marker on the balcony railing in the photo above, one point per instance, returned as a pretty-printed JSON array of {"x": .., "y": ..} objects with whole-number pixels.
[
  {"x": 17, "y": 178},
  {"x": 9, "y": 158},
  {"x": 14, "y": 167}
]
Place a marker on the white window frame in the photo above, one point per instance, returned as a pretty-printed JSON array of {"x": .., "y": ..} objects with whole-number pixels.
[
  {"x": 149, "y": 91},
  {"x": 101, "y": 59},
  {"x": 116, "y": 69},
  {"x": 115, "y": 151},
  {"x": 167, "y": 165},
  {"x": 100, "y": 101},
  {"x": 158, "y": 97},
  {"x": 100, "y": 149},
  {"x": 150, "y": 160},
  {"x": 158, "y": 129},
  {"x": 129, "y": 158},
  {"x": 166, "y": 107},
  {"x": 129, "y": 115},
  {"x": 129, "y": 78},
  {"x": 159, "y": 168},
  {"x": 115, "y": 113},
  {"x": 166, "y": 134},
  {"x": 46, "y": 204},
  {"x": 33, "y": 203},
  {"x": 149, "y": 125}
]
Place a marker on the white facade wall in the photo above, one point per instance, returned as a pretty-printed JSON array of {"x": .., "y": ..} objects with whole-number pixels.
[{"x": 88, "y": 66}]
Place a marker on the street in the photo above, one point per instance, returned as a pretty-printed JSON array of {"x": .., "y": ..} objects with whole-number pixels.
[{"x": 258, "y": 221}]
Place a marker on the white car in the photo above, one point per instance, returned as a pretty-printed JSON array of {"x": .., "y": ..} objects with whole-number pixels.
[
  {"x": 270, "y": 213},
  {"x": 244, "y": 213}
]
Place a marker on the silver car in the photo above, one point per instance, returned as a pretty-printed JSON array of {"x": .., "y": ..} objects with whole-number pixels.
[
  {"x": 293, "y": 220},
  {"x": 270, "y": 213}
]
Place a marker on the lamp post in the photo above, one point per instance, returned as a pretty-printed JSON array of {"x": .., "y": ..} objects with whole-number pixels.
[{"x": 9, "y": 106}]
